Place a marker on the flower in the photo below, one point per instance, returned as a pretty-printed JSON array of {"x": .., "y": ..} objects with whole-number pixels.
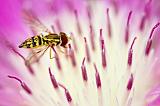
[{"x": 112, "y": 59}]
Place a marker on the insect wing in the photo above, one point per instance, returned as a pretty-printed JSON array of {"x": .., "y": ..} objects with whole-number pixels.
[
  {"x": 35, "y": 24},
  {"x": 36, "y": 54}
]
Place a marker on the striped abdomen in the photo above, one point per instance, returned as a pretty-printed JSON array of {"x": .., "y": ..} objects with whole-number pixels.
[{"x": 38, "y": 41}]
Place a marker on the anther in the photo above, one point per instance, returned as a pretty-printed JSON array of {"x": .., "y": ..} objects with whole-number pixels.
[
  {"x": 78, "y": 23},
  {"x": 89, "y": 14},
  {"x": 30, "y": 69},
  {"x": 142, "y": 23},
  {"x": 98, "y": 80},
  {"x": 156, "y": 26},
  {"x": 147, "y": 10},
  {"x": 72, "y": 56},
  {"x": 87, "y": 50},
  {"x": 130, "y": 53},
  {"x": 68, "y": 96},
  {"x": 127, "y": 27},
  {"x": 24, "y": 86},
  {"x": 115, "y": 5},
  {"x": 149, "y": 42},
  {"x": 84, "y": 72},
  {"x": 103, "y": 51},
  {"x": 130, "y": 83},
  {"x": 53, "y": 80},
  {"x": 108, "y": 24},
  {"x": 148, "y": 47}
]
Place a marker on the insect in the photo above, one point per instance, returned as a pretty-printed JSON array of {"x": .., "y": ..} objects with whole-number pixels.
[
  {"x": 50, "y": 39},
  {"x": 41, "y": 42}
]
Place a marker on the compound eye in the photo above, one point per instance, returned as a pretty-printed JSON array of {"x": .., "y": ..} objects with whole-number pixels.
[{"x": 63, "y": 38}]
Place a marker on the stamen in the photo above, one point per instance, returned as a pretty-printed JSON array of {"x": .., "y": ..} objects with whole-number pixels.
[
  {"x": 74, "y": 42},
  {"x": 101, "y": 38},
  {"x": 78, "y": 23},
  {"x": 149, "y": 42},
  {"x": 98, "y": 80},
  {"x": 24, "y": 86},
  {"x": 58, "y": 25},
  {"x": 108, "y": 24},
  {"x": 69, "y": 5},
  {"x": 15, "y": 51},
  {"x": 147, "y": 10},
  {"x": 30, "y": 69},
  {"x": 68, "y": 96},
  {"x": 87, "y": 50},
  {"x": 115, "y": 5},
  {"x": 148, "y": 47},
  {"x": 89, "y": 14},
  {"x": 130, "y": 83},
  {"x": 151, "y": 34},
  {"x": 142, "y": 23},
  {"x": 72, "y": 56},
  {"x": 84, "y": 72},
  {"x": 53, "y": 80},
  {"x": 103, "y": 51},
  {"x": 92, "y": 35},
  {"x": 57, "y": 60},
  {"x": 130, "y": 53},
  {"x": 53, "y": 29},
  {"x": 127, "y": 28}
]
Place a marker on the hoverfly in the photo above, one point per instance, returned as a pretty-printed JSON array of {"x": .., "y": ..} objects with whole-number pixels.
[{"x": 42, "y": 41}]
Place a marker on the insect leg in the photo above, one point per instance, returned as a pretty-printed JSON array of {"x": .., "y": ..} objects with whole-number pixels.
[{"x": 50, "y": 54}]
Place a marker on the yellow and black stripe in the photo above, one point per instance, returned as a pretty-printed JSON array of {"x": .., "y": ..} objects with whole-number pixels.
[
  {"x": 40, "y": 40},
  {"x": 51, "y": 39},
  {"x": 37, "y": 41},
  {"x": 33, "y": 42}
]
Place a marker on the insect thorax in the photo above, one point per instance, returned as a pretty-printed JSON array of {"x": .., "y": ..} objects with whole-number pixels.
[{"x": 51, "y": 39}]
